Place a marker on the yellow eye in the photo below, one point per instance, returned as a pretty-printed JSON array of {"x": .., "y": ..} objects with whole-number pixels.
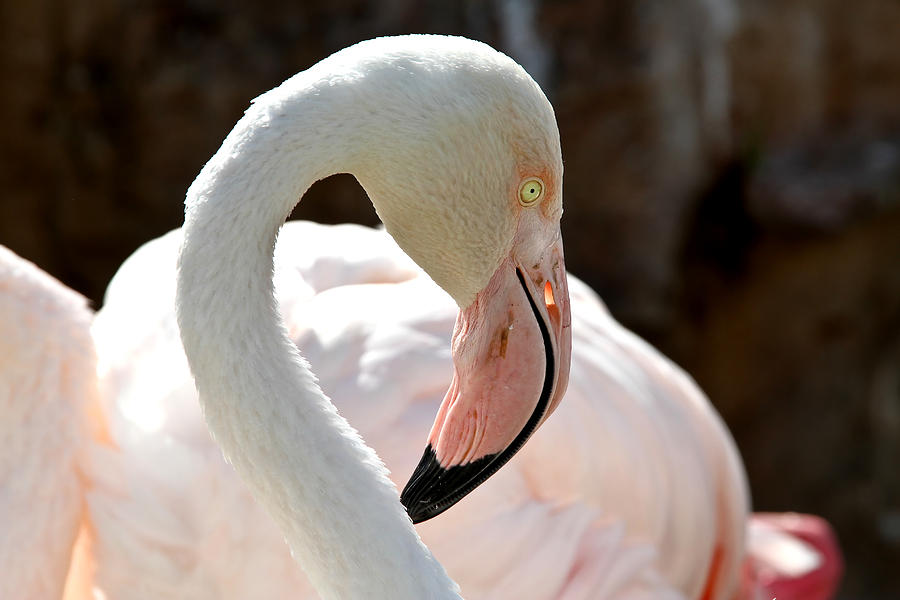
[{"x": 531, "y": 191}]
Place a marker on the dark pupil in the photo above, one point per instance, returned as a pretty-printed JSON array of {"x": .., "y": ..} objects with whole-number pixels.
[{"x": 531, "y": 190}]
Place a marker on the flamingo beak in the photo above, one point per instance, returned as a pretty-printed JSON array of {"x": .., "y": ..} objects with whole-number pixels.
[{"x": 511, "y": 352}]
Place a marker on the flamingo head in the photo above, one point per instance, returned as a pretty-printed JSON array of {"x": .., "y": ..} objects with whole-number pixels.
[{"x": 467, "y": 177}]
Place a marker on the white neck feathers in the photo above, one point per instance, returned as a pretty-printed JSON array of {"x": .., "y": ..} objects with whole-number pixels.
[{"x": 326, "y": 489}]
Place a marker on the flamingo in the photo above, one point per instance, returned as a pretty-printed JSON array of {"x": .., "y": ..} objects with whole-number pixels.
[
  {"x": 600, "y": 503},
  {"x": 634, "y": 467}
]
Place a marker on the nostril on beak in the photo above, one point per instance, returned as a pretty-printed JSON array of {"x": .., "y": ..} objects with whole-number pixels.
[
  {"x": 552, "y": 308},
  {"x": 549, "y": 300}
]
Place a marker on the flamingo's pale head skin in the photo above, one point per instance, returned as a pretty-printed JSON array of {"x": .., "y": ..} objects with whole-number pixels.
[{"x": 465, "y": 171}]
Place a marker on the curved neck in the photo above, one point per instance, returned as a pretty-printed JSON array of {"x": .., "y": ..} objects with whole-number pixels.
[{"x": 326, "y": 489}]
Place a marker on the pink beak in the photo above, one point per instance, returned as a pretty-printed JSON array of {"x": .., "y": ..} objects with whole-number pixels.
[{"x": 511, "y": 352}]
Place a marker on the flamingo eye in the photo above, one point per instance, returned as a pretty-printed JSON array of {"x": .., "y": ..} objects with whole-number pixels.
[{"x": 530, "y": 191}]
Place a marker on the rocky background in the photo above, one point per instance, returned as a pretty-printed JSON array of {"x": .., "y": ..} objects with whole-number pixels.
[{"x": 732, "y": 188}]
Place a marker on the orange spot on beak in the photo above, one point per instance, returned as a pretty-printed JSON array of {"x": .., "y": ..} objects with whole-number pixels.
[{"x": 552, "y": 308}]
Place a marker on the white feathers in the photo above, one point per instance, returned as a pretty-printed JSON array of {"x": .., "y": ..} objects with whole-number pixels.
[
  {"x": 599, "y": 504},
  {"x": 47, "y": 387},
  {"x": 435, "y": 129}
]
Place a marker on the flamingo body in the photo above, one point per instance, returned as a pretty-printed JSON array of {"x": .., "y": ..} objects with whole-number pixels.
[{"x": 646, "y": 463}]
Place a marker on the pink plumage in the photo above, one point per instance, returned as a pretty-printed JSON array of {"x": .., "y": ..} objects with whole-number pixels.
[
  {"x": 634, "y": 467},
  {"x": 47, "y": 390},
  {"x": 632, "y": 488}
]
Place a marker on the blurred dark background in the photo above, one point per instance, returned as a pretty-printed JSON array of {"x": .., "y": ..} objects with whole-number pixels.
[{"x": 732, "y": 188}]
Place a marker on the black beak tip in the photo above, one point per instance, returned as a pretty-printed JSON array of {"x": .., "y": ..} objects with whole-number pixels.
[
  {"x": 432, "y": 489},
  {"x": 418, "y": 494},
  {"x": 419, "y": 515}
]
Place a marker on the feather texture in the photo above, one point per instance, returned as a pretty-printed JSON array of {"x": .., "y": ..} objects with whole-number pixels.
[
  {"x": 47, "y": 391},
  {"x": 599, "y": 504}
]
